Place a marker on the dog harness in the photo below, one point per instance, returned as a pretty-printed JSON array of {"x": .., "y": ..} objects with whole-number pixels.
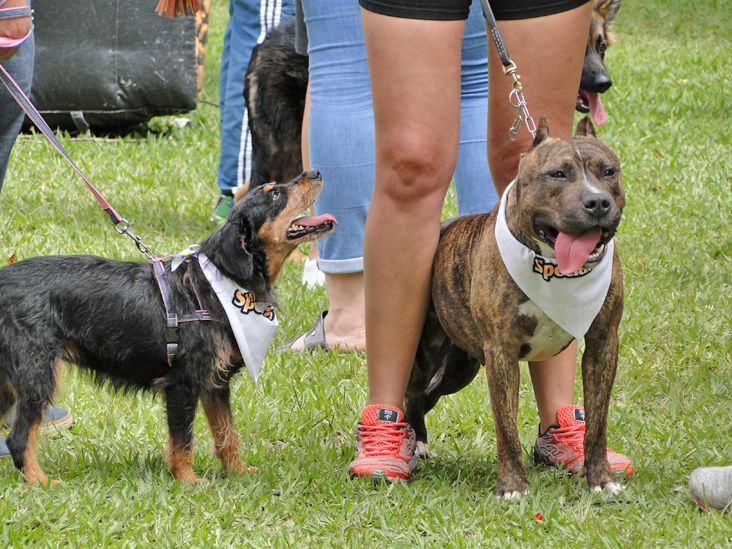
[
  {"x": 171, "y": 316},
  {"x": 571, "y": 301}
]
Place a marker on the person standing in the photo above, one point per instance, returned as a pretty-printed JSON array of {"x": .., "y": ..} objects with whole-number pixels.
[{"x": 413, "y": 50}]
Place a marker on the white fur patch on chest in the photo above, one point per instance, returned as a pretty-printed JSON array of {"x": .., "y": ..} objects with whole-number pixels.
[{"x": 548, "y": 338}]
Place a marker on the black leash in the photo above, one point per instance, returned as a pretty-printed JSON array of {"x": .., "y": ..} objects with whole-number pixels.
[{"x": 516, "y": 96}]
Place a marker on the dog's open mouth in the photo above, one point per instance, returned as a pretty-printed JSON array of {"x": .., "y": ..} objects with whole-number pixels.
[
  {"x": 590, "y": 102},
  {"x": 310, "y": 225},
  {"x": 572, "y": 252}
]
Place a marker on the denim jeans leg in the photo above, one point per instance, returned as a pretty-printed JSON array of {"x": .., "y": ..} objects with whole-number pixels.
[
  {"x": 473, "y": 181},
  {"x": 20, "y": 67},
  {"x": 341, "y": 128},
  {"x": 249, "y": 22}
]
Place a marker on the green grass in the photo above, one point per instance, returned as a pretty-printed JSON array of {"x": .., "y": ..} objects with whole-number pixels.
[{"x": 672, "y": 404}]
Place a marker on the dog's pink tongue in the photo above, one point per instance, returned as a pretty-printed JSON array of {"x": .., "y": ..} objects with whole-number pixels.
[
  {"x": 315, "y": 220},
  {"x": 572, "y": 251},
  {"x": 596, "y": 109}
]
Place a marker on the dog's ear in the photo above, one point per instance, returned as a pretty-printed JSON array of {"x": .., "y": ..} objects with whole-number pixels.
[
  {"x": 231, "y": 249},
  {"x": 241, "y": 191},
  {"x": 245, "y": 234},
  {"x": 585, "y": 128},
  {"x": 608, "y": 9},
  {"x": 542, "y": 132}
]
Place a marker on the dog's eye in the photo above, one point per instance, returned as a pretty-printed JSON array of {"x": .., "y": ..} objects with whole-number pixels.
[
  {"x": 275, "y": 194},
  {"x": 609, "y": 172},
  {"x": 601, "y": 47},
  {"x": 558, "y": 174}
]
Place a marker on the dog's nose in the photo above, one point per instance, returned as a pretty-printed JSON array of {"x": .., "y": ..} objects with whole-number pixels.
[
  {"x": 602, "y": 83},
  {"x": 313, "y": 174},
  {"x": 597, "y": 204}
]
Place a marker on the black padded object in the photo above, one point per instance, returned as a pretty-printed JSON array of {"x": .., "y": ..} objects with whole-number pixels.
[{"x": 111, "y": 64}]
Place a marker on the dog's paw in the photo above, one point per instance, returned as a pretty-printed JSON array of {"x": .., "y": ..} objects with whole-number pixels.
[
  {"x": 422, "y": 451},
  {"x": 610, "y": 489},
  {"x": 511, "y": 485},
  {"x": 512, "y": 495}
]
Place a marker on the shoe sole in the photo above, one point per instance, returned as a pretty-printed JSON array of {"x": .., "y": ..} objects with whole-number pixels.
[
  {"x": 540, "y": 459},
  {"x": 379, "y": 476},
  {"x": 65, "y": 423}
]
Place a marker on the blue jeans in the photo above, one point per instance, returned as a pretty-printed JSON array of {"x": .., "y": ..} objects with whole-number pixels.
[
  {"x": 20, "y": 67},
  {"x": 249, "y": 22},
  {"x": 342, "y": 126}
]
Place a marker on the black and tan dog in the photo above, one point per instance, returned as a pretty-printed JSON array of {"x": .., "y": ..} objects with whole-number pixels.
[
  {"x": 595, "y": 78},
  {"x": 108, "y": 317},
  {"x": 274, "y": 93},
  {"x": 479, "y": 315}
]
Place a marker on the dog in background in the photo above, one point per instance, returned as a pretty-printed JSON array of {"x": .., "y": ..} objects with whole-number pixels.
[
  {"x": 274, "y": 91},
  {"x": 595, "y": 78},
  {"x": 277, "y": 78},
  {"x": 108, "y": 317}
]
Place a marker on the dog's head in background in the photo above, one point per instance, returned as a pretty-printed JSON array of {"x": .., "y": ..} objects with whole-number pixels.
[{"x": 595, "y": 77}]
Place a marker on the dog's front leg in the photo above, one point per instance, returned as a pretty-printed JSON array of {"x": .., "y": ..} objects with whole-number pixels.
[
  {"x": 217, "y": 406},
  {"x": 181, "y": 401},
  {"x": 503, "y": 383},
  {"x": 599, "y": 364}
]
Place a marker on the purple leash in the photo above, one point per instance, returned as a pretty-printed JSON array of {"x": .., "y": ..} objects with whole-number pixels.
[{"x": 121, "y": 225}]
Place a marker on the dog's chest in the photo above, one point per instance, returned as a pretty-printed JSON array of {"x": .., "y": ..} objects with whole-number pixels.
[{"x": 547, "y": 339}]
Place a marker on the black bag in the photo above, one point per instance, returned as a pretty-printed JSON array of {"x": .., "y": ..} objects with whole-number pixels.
[{"x": 110, "y": 64}]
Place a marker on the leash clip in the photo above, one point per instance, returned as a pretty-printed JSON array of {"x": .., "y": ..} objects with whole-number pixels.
[
  {"x": 518, "y": 101},
  {"x": 125, "y": 230},
  {"x": 510, "y": 70}
]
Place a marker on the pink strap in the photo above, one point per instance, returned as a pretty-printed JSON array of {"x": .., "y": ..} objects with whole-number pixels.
[
  {"x": 6, "y": 42},
  {"x": 17, "y": 93}
]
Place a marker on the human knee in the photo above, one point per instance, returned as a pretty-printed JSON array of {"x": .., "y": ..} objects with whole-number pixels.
[{"x": 416, "y": 169}]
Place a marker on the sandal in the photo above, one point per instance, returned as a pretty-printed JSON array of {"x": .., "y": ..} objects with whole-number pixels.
[{"x": 314, "y": 338}]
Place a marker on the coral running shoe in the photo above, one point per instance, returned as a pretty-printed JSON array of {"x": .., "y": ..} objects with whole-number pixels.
[
  {"x": 386, "y": 445},
  {"x": 562, "y": 445}
]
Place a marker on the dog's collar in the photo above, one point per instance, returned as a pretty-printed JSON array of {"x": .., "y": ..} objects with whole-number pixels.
[
  {"x": 572, "y": 302},
  {"x": 180, "y": 257}
]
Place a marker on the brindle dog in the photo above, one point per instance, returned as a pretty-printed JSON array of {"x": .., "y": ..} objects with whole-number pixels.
[{"x": 479, "y": 315}]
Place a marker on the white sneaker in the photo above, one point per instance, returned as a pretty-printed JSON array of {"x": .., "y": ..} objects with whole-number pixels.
[
  {"x": 712, "y": 487},
  {"x": 312, "y": 277}
]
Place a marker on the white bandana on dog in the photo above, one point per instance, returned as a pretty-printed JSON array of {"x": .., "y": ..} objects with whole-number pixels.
[
  {"x": 254, "y": 323},
  {"x": 572, "y": 301}
]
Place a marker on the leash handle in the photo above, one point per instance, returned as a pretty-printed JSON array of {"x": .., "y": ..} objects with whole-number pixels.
[
  {"x": 22, "y": 99},
  {"x": 516, "y": 96}
]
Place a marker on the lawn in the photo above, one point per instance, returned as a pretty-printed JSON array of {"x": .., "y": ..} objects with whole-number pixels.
[{"x": 669, "y": 121}]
